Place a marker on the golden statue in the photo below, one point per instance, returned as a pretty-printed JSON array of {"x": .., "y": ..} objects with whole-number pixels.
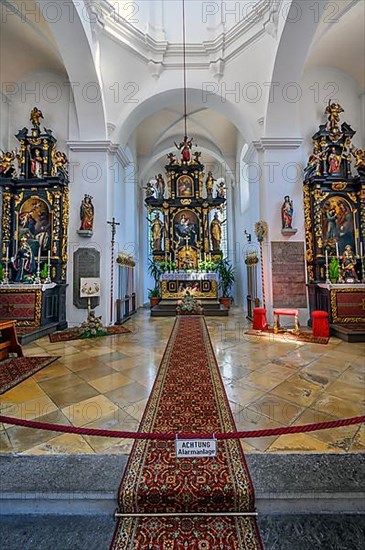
[
  {"x": 185, "y": 148},
  {"x": 7, "y": 168},
  {"x": 35, "y": 117},
  {"x": 359, "y": 155},
  {"x": 59, "y": 162},
  {"x": 333, "y": 111},
  {"x": 216, "y": 232},
  {"x": 156, "y": 229},
  {"x": 209, "y": 184}
]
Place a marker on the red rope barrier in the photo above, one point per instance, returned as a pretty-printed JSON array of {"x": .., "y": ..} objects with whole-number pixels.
[{"x": 170, "y": 436}]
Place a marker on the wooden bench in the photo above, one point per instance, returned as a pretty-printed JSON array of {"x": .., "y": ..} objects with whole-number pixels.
[
  {"x": 9, "y": 340},
  {"x": 289, "y": 312}
]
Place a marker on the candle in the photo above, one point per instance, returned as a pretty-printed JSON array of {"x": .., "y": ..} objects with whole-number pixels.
[
  {"x": 326, "y": 254},
  {"x": 337, "y": 251},
  {"x": 361, "y": 250},
  {"x": 205, "y": 256},
  {"x": 7, "y": 254},
  {"x": 39, "y": 254},
  {"x": 49, "y": 257}
]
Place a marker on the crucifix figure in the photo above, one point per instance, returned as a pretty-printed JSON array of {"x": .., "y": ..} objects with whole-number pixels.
[{"x": 113, "y": 225}]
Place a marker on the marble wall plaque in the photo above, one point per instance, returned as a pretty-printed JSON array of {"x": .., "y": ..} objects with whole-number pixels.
[
  {"x": 288, "y": 275},
  {"x": 86, "y": 264}
]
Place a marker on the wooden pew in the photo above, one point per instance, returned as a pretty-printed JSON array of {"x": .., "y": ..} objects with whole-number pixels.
[{"x": 9, "y": 340}]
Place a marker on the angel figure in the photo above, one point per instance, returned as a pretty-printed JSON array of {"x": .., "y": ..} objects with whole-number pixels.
[
  {"x": 333, "y": 111},
  {"x": 35, "y": 117},
  {"x": 150, "y": 190},
  {"x": 197, "y": 155},
  {"x": 59, "y": 161},
  {"x": 221, "y": 190},
  {"x": 172, "y": 158},
  {"x": 359, "y": 155},
  {"x": 313, "y": 167},
  {"x": 7, "y": 168}
]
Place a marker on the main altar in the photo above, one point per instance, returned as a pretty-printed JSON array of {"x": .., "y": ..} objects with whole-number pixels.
[
  {"x": 186, "y": 209},
  {"x": 35, "y": 206},
  {"x": 334, "y": 207}
]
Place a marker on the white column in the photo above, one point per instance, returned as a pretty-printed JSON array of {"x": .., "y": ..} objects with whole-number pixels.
[
  {"x": 281, "y": 170},
  {"x": 155, "y": 24},
  {"x": 90, "y": 173}
]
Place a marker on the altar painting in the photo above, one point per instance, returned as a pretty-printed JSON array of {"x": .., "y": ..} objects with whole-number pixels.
[
  {"x": 185, "y": 186},
  {"x": 186, "y": 228},
  {"x": 34, "y": 222},
  {"x": 338, "y": 223}
]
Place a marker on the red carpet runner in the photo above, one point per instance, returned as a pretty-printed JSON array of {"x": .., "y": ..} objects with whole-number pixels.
[{"x": 188, "y": 396}]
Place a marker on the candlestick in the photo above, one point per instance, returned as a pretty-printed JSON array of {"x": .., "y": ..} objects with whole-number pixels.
[
  {"x": 327, "y": 273},
  {"x": 48, "y": 279}
]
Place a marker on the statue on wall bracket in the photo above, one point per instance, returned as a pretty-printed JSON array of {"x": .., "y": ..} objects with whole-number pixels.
[
  {"x": 287, "y": 211},
  {"x": 87, "y": 217}
]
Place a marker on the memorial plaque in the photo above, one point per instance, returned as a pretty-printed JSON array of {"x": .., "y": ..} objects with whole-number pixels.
[
  {"x": 86, "y": 264},
  {"x": 288, "y": 275}
]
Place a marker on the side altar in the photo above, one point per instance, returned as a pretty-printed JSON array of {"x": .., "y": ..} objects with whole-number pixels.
[
  {"x": 35, "y": 210},
  {"x": 334, "y": 208}
]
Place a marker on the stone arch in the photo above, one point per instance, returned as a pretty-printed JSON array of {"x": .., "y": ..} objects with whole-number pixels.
[
  {"x": 282, "y": 115},
  {"x": 149, "y": 105},
  {"x": 76, "y": 51}
]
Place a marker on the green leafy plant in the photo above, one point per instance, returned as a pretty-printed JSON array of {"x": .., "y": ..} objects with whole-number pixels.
[
  {"x": 153, "y": 293},
  {"x": 44, "y": 272},
  {"x": 333, "y": 269},
  {"x": 155, "y": 271},
  {"x": 226, "y": 273}
]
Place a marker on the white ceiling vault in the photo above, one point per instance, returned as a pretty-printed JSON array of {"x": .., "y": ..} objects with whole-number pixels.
[{"x": 150, "y": 33}]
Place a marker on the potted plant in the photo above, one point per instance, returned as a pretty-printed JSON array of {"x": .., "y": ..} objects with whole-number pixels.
[
  {"x": 155, "y": 270},
  {"x": 154, "y": 296},
  {"x": 333, "y": 270},
  {"x": 226, "y": 279}
]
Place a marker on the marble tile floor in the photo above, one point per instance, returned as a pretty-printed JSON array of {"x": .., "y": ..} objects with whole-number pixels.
[{"x": 105, "y": 383}]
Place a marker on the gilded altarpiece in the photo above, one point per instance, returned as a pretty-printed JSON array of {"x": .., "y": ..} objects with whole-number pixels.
[
  {"x": 334, "y": 207},
  {"x": 185, "y": 209},
  {"x": 35, "y": 213}
]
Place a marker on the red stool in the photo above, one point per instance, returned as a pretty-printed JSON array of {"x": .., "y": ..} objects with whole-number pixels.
[
  {"x": 320, "y": 324},
  {"x": 259, "y": 318}
]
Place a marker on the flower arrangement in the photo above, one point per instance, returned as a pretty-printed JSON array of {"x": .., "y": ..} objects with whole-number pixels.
[
  {"x": 189, "y": 305},
  {"x": 92, "y": 327}
]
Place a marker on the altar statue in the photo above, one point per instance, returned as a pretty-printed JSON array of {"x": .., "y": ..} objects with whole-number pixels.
[
  {"x": 334, "y": 162},
  {"x": 348, "y": 263},
  {"x": 36, "y": 164},
  {"x": 24, "y": 262},
  {"x": 216, "y": 232},
  {"x": 287, "y": 213},
  {"x": 7, "y": 169},
  {"x": 87, "y": 213},
  {"x": 160, "y": 186},
  {"x": 185, "y": 148},
  {"x": 150, "y": 190},
  {"x": 221, "y": 190},
  {"x": 313, "y": 167},
  {"x": 333, "y": 111},
  {"x": 359, "y": 155},
  {"x": 156, "y": 230},
  {"x": 186, "y": 230},
  {"x": 35, "y": 116},
  {"x": 172, "y": 158},
  {"x": 59, "y": 161},
  {"x": 209, "y": 184}
]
